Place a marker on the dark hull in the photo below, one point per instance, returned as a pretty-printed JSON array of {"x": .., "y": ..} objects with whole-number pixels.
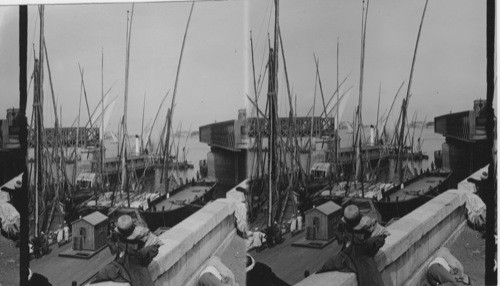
[
  {"x": 156, "y": 218},
  {"x": 401, "y": 207}
]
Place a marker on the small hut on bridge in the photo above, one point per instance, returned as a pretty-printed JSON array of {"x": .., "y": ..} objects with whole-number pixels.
[
  {"x": 320, "y": 221},
  {"x": 90, "y": 232}
]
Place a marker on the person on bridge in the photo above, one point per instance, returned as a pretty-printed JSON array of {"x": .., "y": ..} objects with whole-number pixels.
[
  {"x": 258, "y": 238},
  {"x": 135, "y": 247},
  {"x": 37, "y": 279},
  {"x": 216, "y": 273},
  {"x": 361, "y": 237},
  {"x": 446, "y": 269},
  {"x": 66, "y": 232},
  {"x": 60, "y": 236},
  {"x": 299, "y": 221},
  {"x": 259, "y": 274},
  {"x": 293, "y": 224}
]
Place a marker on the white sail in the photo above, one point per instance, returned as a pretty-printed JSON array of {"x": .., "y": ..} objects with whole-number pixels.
[
  {"x": 344, "y": 97},
  {"x": 343, "y": 101},
  {"x": 350, "y": 129},
  {"x": 108, "y": 111}
]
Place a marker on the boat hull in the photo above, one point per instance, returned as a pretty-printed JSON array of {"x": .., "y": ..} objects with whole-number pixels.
[
  {"x": 156, "y": 216},
  {"x": 396, "y": 208}
]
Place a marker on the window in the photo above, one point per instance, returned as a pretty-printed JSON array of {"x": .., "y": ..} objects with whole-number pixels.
[{"x": 316, "y": 221}]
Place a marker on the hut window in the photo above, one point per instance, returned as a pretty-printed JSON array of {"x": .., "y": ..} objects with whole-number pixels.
[
  {"x": 82, "y": 231},
  {"x": 316, "y": 221}
]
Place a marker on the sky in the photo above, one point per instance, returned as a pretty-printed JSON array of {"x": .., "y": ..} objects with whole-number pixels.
[
  {"x": 211, "y": 79},
  {"x": 216, "y": 71},
  {"x": 450, "y": 68}
]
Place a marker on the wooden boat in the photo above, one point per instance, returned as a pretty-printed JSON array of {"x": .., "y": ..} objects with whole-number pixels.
[
  {"x": 404, "y": 198},
  {"x": 337, "y": 193},
  {"x": 167, "y": 211}
]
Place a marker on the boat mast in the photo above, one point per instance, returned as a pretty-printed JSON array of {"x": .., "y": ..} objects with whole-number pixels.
[
  {"x": 124, "y": 186},
  {"x": 359, "y": 125},
  {"x": 170, "y": 113},
  {"x": 142, "y": 124},
  {"x": 61, "y": 175},
  {"x": 337, "y": 119},
  {"x": 272, "y": 98},
  {"x": 102, "y": 119},
  {"x": 405, "y": 102},
  {"x": 378, "y": 109},
  {"x": 38, "y": 147},
  {"x": 295, "y": 143},
  {"x": 308, "y": 165},
  {"x": 39, "y": 186}
]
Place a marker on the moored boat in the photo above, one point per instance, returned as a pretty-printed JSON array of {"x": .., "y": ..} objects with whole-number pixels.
[
  {"x": 402, "y": 199},
  {"x": 169, "y": 210}
]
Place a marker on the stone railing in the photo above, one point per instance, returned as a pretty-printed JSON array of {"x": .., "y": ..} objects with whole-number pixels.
[
  {"x": 188, "y": 245},
  {"x": 413, "y": 240}
]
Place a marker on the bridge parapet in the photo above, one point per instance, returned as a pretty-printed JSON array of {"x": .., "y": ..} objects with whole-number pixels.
[
  {"x": 413, "y": 240},
  {"x": 190, "y": 244}
]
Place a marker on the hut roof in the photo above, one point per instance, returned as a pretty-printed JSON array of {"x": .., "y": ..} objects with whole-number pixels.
[
  {"x": 95, "y": 218},
  {"x": 328, "y": 208}
]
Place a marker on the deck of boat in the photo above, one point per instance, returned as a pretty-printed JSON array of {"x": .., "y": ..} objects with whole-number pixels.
[
  {"x": 63, "y": 270},
  {"x": 416, "y": 188},
  {"x": 289, "y": 262},
  {"x": 183, "y": 197}
]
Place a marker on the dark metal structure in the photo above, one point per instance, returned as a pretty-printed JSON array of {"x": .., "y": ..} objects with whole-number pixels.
[{"x": 68, "y": 135}]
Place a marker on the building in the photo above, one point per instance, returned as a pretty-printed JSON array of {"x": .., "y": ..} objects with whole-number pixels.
[
  {"x": 90, "y": 232},
  {"x": 320, "y": 222},
  {"x": 227, "y": 159},
  {"x": 466, "y": 146}
]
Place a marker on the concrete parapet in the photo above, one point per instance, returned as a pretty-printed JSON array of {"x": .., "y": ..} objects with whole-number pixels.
[
  {"x": 188, "y": 245},
  {"x": 414, "y": 238}
]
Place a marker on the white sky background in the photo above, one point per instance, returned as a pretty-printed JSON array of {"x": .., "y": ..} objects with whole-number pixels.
[
  {"x": 211, "y": 82},
  {"x": 450, "y": 69}
]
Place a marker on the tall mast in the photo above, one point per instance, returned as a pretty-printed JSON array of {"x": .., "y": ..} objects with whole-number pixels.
[
  {"x": 337, "y": 119},
  {"x": 172, "y": 105},
  {"x": 124, "y": 187},
  {"x": 142, "y": 124},
  {"x": 272, "y": 98},
  {"x": 359, "y": 121},
  {"x": 378, "y": 108},
  {"x": 405, "y": 102},
  {"x": 39, "y": 123},
  {"x": 292, "y": 123},
  {"x": 38, "y": 147},
  {"x": 102, "y": 118}
]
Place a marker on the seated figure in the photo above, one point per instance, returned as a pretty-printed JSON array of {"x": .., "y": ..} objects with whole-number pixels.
[{"x": 445, "y": 269}]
